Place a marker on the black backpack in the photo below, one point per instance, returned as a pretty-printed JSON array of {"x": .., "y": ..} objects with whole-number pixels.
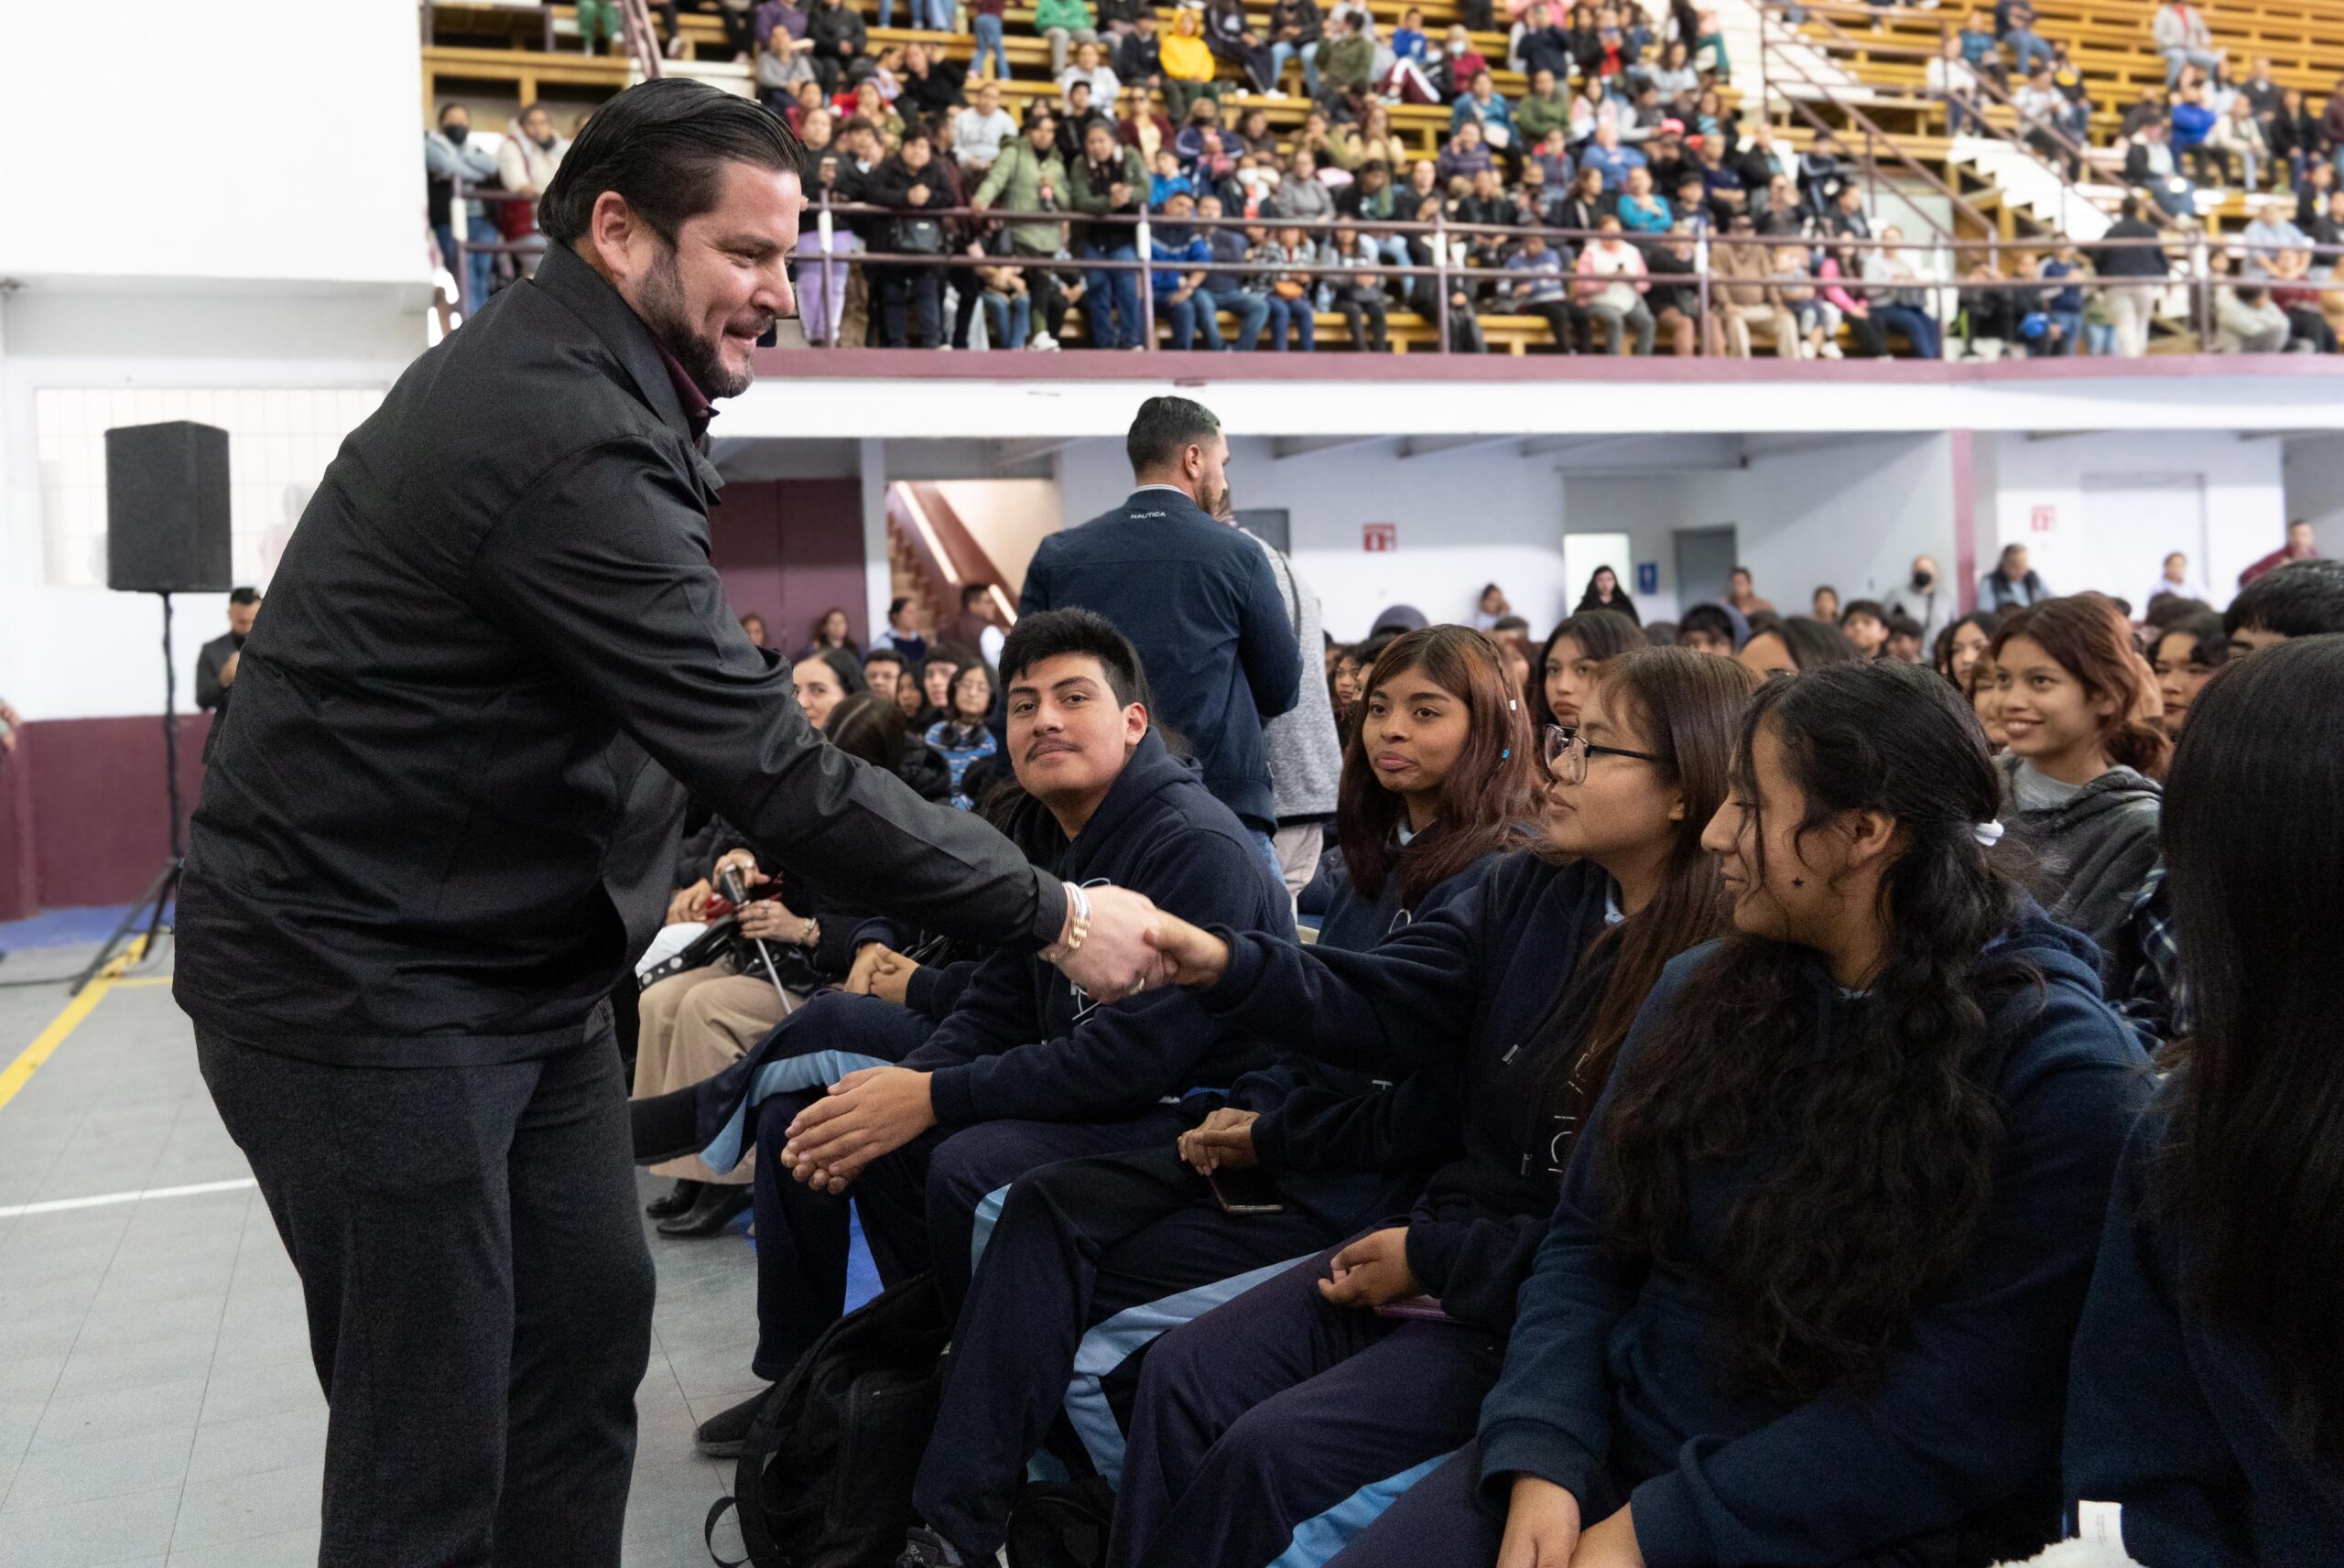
[
  {"x": 1062, "y": 1524},
  {"x": 825, "y": 1479}
]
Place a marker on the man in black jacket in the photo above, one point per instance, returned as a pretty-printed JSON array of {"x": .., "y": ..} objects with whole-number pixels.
[
  {"x": 910, "y": 183},
  {"x": 1200, "y": 603},
  {"x": 443, "y": 824},
  {"x": 216, "y": 665},
  {"x": 2135, "y": 255}
]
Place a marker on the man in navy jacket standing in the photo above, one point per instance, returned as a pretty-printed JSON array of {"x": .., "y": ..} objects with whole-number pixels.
[{"x": 1196, "y": 598}]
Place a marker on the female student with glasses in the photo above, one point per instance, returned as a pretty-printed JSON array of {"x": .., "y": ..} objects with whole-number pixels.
[{"x": 1288, "y": 1418}]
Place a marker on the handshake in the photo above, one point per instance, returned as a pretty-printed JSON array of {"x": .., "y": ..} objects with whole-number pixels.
[{"x": 1129, "y": 947}]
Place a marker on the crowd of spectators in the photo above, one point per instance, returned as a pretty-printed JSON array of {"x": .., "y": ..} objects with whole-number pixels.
[{"x": 1625, "y": 136}]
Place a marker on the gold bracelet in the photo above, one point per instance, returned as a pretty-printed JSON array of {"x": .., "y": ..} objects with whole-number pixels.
[{"x": 1078, "y": 923}]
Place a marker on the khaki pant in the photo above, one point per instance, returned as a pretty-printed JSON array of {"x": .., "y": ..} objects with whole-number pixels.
[
  {"x": 2128, "y": 313},
  {"x": 694, "y": 1025},
  {"x": 1298, "y": 849},
  {"x": 1737, "y": 319}
]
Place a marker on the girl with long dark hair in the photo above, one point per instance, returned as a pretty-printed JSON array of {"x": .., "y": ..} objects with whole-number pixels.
[
  {"x": 2184, "y": 658},
  {"x": 2079, "y": 795},
  {"x": 1296, "y": 1412},
  {"x": 1091, "y": 1260},
  {"x": 2208, "y": 1397},
  {"x": 1960, "y": 645},
  {"x": 1566, "y": 665},
  {"x": 1794, "y": 643},
  {"x": 1604, "y": 592},
  {"x": 1808, "y": 1294},
  {"x": 830, "y": 631},
  {"x": 963, "y": 735}
]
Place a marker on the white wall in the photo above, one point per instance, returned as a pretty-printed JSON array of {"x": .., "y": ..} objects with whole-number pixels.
[
  {"x": 1853, "y": 515},
  {"x": 2245, "y": 502},
  {"x": 1465, "y": 518},
  {"x": 1010, "y": 518},
  {"x": 152, "y": 139}
]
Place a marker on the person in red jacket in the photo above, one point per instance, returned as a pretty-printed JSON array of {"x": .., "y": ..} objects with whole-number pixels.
[{"x": 2298, "y": 547}]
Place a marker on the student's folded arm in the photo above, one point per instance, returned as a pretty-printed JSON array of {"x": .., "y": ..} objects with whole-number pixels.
[
  {"x": 995, "y": 1012},
  {"x": 1476, "y": 1267},
  {"x": 2139, "y": 1434},
  {"x": 1962, "y": 1417},
  {"x": 1417, "y": 1122},
  {"x": 935, "y": 990},
  {"x": 601, "y": 567},
  {"x": 1401, "y": 1007}
]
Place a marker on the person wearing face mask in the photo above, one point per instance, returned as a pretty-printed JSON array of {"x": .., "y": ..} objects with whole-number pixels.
[
  {"x": 1927, "y": 599},
  {"x": 1197, "y": 597},
  {"x": 1298, "y": 1411},
  {"x": 527, "y": 163},
  {"x": 448, "y": 154}
]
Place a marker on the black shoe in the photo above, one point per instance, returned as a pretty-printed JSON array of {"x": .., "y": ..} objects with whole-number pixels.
[
  {"x": 709, "y": 1213},
  {"x": 924, "y": 1548},
  {"x": 679, "y": 1200},
  {"x": 723, "y": 1434},
  {"x": 666, "y": 1127}
]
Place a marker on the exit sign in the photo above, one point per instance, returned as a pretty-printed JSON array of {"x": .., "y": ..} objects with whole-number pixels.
[
  {"x": 1379, "y": 538},
  {"x": 2043, "y": 519}
]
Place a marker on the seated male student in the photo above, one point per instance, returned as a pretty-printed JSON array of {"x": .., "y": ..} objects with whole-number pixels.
[{"x": 926, "y": 1127}]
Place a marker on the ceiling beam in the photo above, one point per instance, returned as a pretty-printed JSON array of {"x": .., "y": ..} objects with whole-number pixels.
[
  {"x": 1016, "y": 454},
  {"x": 1434, "y": 446},
  {"x": 1285, "y": 447}
]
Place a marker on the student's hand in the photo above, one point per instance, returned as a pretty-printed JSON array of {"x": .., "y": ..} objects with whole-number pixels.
[
  {"x": 690, "y": 904},
  {"x": 867, "y": 960},
  {"x": 1185, "y": 955},
  {"x": 866, "y": 1114},
  {"x": 770, "y": 920},
  {"x": 1541, "y": 1526},
  {"x": 1373, "y": 1271},
  {"x": 228, "y": 667},
  {"x": 1223, "y": 1140},
  {"x": 1611, "y": 1544},
  {"x": 744, "y": 862},
  {"x": 1119, "y": 958},
  {"x": 894, "y": 980}
]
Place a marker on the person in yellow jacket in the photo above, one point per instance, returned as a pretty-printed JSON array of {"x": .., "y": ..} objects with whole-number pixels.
[{"x": 1187, "y": 63}]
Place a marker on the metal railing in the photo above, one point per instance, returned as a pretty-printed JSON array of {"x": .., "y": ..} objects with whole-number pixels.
[{"x": 2201, "y": 273}]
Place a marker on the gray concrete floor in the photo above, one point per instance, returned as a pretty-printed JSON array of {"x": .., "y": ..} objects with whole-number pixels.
[{"x": 156, "y": 1402}]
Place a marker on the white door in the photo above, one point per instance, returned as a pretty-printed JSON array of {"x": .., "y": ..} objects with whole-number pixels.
[
  {"x": 1582, "y": 553},
  {"x": 2131, "y": 523}
]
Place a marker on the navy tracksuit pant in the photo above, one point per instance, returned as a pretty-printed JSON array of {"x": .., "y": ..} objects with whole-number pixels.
[
  {"x": 1089, "y": 1262},
  {"x": 928, "y": 1205},
  {"x": 1277, "y": 1428}
]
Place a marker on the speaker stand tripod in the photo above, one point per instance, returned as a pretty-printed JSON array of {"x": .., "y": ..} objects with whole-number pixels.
[{"x": 163, "y": 892}]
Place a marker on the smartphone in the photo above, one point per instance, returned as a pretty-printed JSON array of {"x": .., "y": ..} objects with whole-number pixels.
[
  {"x": 1245, "y": 1192},
  {"x": 1416, "y": 1309}
]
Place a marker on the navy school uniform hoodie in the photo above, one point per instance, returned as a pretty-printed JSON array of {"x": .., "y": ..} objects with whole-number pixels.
[
  {"x": 1467, "y": 991},
  {"x": 1198, "y": 601},
  {"x": 1339, "y": 1142},
  {"x": 1612, "y": 1384},
  {"x": 2180, "y": 1423},
  {"x": 1024, "y": 1042}
]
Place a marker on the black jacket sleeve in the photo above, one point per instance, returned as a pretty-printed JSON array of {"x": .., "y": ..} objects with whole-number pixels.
[
  {"x": 1475, "y": 1266},
  {"x": 604, "y": 562},
  {"x": 209, "y": 692},
  {"x": 1415, "y": 1122}
]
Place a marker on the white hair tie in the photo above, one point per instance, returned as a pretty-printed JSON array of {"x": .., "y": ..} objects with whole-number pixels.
[{"x": 1988, "y": 834}]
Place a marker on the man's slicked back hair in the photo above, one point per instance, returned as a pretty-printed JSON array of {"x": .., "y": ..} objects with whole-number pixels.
[
  {"x": 1051, "y": 633},
  {"x": 1162, "y": 427},
  {"x": 2302, "y": 598},
  {"x": 664, "y": 146}
]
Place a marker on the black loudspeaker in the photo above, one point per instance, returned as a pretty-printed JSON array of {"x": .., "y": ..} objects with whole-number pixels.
[{"x": 167, "y": 508}]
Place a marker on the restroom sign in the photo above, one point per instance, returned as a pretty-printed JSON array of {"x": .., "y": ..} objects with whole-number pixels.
[
  {"x": 1379, "y": 538},
  {"x": 2043, "y": 519}
]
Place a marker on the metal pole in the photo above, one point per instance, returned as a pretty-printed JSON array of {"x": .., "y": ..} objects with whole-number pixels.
[
  {"x": 1440, "y": 271},
  {"x": 1701, "y": 270},
  {"x": 824, "y": 230},
  {"x": 1143, "y": 245},
  {"x": 2202, "y": 290}
]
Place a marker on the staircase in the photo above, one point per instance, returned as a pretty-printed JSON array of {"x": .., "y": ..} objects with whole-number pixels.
[
  {"x": 933, "y": 603},
  {"x": 2026, "y": 184}
]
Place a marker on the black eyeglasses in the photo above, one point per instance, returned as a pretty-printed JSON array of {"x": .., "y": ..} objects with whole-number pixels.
[{"x": 1567, "y": 751}]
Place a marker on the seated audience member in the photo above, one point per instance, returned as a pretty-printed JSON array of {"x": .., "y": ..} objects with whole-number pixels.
[
  {"x": 1826, "y": 604},
  {"x": 2011, "y": 584},
  {"x": 964, "y": 734},
  {"x": 2304, "y": 597},
  {"x": 1903, "y": 638},
  {"x": 1064, "y": 22},
  {"x": 1442, "y": 756},
  {"x": 1712, "y": 628},
  {"x": 1846, "y": 1302},
  {"x": 1794, "y": 643},
  {"x": 1866, "y": 626},
  {"x": 2079, "y": 791},
  {"x": 1181, "y": 295},
  {"x": 694, "y": 1025},
  {"x": 1567, "y": 664},
  {"x": 902, "y": 633},
  {"x": 883, "y": 669},
  {"x": 980, "y": 130},
  {"x": 753, "y": 624},
  {"x": 1960, "y": 645},
  {"x": 2184, "y": 658},
  {"x": 831, "y": 630},
  {"x": 1025, "y": 1071},
  {"x": 1542, "y": 290},
  {"x": 1278, "y": 1417},
  {"x": 1745, "y": 300},
  {"x": 2205, "y": 1395},
  {"x": 1903, "y": 303},
  {"x": 1611, "y": 286},
  {"x": 936, "y": 675},
  {"x": 1288, "y": 285}
]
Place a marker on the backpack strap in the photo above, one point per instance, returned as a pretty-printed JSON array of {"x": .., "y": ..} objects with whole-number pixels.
[{"x": 716, "y": 1512}]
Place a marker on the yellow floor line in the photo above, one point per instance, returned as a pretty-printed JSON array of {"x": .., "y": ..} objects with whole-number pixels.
[{"x": 29, "y": 1059}]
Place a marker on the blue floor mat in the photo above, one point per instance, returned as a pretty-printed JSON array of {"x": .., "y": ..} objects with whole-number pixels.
[{"x": 61, "y": 927}]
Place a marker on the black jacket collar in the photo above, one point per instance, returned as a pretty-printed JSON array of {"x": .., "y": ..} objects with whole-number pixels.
[{"x": 568, "y": 277}]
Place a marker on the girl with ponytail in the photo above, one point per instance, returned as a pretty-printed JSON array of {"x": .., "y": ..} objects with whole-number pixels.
[
  {"x": 2079, "y": 796},
  {"x": 1810, "y": 1291}
]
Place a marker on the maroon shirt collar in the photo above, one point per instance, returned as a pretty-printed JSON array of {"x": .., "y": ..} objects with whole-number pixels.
[{"x": 697, "y": 410}]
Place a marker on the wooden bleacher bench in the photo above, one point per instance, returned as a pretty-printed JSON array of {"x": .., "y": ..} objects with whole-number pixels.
[{"x": 1404, "y": 330}]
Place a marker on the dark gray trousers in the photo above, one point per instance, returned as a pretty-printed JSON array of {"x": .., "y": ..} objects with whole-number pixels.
[{"x": 479, "y": 1294}]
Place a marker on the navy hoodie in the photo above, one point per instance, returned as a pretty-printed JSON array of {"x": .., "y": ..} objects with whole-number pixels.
[
  {"x": 1465, "y": 991},
  {"x": 1024, "y": 1042},
  {"x": 1341, "y": 1142},
  {"x": 2181, "y": 1424},
  {"x": 1612, "y": 1384},
  {"x": 1198, "y": 601}
]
